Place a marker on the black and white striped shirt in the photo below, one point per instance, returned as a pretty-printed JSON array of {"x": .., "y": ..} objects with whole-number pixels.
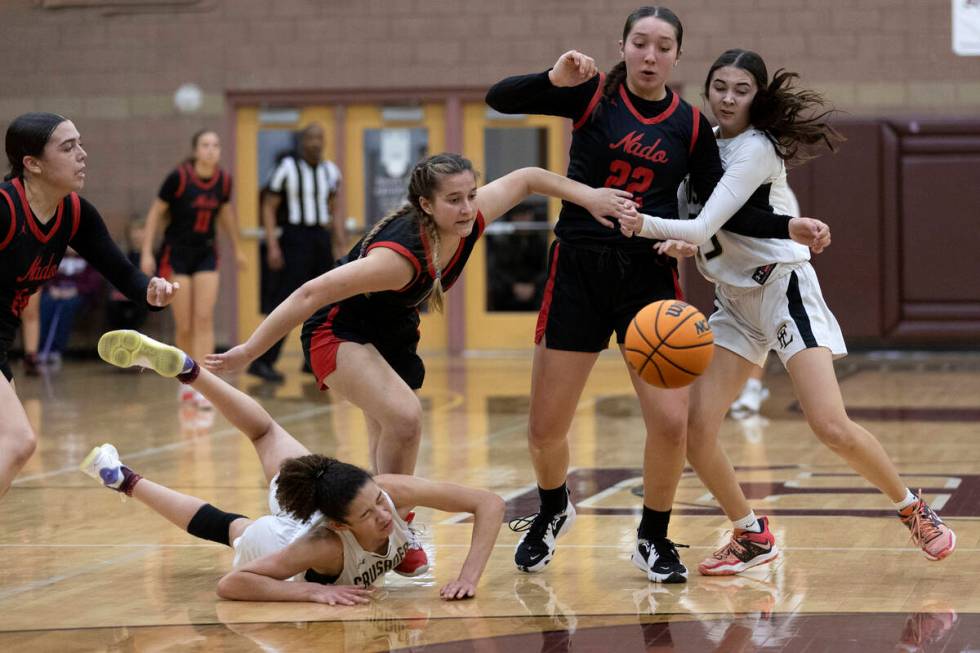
[{"x": 305, "y": 190}]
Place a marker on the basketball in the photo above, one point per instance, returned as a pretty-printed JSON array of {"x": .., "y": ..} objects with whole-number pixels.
[{"x": 669, "y": 343}]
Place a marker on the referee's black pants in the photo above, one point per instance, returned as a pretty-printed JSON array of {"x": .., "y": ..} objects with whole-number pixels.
[{"x": 307, "y": 253}]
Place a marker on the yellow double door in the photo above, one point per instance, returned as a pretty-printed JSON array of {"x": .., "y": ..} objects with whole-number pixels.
[{"x": 374, "y": 146}]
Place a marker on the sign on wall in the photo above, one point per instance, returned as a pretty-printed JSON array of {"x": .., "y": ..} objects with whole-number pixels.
[{"x": 966, "y": 27}]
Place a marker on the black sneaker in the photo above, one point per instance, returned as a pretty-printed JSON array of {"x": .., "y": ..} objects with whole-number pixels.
[
  {"x": 660, "y": 561},
  {"x": 265, "y": 372},
  {"x": 537, "y": 546}
]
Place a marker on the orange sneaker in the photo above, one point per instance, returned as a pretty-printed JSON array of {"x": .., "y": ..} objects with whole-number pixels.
[
  {"x": 415, "y": 562},
  {"x": 744, "y": 551},
  {"x": 936, "y": 539}
]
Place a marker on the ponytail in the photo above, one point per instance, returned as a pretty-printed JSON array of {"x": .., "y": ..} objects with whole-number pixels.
[{"x": 315, "y": 483}]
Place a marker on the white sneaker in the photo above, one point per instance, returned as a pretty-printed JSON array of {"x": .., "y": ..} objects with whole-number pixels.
[
  {"x": 103, "y": 464},
  {"x": 750, "y": 400},
  {"x": 125, "y": 348}
]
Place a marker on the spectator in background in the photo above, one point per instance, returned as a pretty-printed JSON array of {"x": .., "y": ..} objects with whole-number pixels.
[
  {"x": 121, "y": 312},
  {"x": 301, "y": 199},
  {"x": 74, "y": 287},
  {"x": 30, "y": 331},
  {"x": 518, "y": 262}
]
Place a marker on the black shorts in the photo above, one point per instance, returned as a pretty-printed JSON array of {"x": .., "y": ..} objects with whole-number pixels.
[
  {"x": 322, "y": 340},
  {"x": 187, "y": 260},
  {"x": 595, "y": 290},
  {"x": 5, "y": 369}
]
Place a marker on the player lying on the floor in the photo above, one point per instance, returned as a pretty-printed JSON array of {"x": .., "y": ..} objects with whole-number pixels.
[{"x": 331, "y": 525}]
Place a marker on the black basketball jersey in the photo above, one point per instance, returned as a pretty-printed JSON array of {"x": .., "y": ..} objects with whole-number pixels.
[
  {"x": 29, "y": 250},
  {"x": 646, "y": 147},
  {"x": 194, "y": 205},
  {"x": 394, "y": 314}
]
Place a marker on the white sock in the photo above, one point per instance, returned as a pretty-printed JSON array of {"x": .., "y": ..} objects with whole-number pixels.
[
  {"x": 907, "y": 501},
  {"x": 754, "y": 384},
  {"x": 748, "y": 523}
]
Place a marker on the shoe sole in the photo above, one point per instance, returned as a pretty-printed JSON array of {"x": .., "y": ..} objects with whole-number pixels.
[
  {"x": 731, "y": 570},
  {"x": 671, "y": 578},
  {"x": 418, "y": 572},
  {"x": 126, "y": 348},
  {"x": 83, "y": 467}
]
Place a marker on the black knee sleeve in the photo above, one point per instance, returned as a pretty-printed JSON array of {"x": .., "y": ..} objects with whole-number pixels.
[{"x": 209, "y": 523}]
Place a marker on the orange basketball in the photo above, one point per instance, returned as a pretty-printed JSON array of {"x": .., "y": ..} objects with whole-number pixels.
[{"x": 669, "y": 343}]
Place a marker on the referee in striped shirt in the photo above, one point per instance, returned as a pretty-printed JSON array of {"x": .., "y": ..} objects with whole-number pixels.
[{"x": 300, "y": 198}]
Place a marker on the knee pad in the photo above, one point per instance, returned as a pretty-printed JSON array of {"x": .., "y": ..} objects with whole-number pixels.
[{"x": 212, "y": 524}]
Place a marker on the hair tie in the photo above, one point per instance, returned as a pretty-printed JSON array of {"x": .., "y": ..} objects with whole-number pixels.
[{"x": 320, "y": 472}]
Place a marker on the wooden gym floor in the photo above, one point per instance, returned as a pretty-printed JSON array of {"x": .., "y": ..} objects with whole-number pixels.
[{"x": 82, "y": 570}]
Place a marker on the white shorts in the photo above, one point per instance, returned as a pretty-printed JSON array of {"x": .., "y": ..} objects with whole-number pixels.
[
  {"x": 269, "y": 533},
  {"x": 788, "y": 315}
]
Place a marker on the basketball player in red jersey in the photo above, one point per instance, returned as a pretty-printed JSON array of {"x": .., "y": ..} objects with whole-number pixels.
[
  {"x": 629, "y": 131},
  {"x": 362, "y": 317},
  {"x": 41, "y": 214},
  {"x": 198, "y": 195}
]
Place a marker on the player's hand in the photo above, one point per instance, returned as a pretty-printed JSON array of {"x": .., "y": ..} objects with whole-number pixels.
[
  {"x": 677, "y": 248},
  {"x": 148, "y": 265},
  {"x": 631, "y": 225},
  {"x": 273, "y": 256},
  {"x": 241, "y": 261},
  {"x": 160, "y": 292},
  {"x": 458, "y": 589},
  {"x": 613, "y": 202},
  {"x": 810, "y": 232},
  {"x": 233, "y": 360},
  {"x": 572, "y": 68},
  {"x": 340, "y": 594}
]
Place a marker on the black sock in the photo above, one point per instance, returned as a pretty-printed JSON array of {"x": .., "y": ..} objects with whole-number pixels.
[
  {"x": 653, "y": 524},
  {"x": 553, "y": 501},
  {"x": 130, "y": 479}
]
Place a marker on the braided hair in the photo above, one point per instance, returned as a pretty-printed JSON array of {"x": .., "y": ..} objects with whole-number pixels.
[
  {"x": 424, "y": 182},
  {"x": 791, "y": 118}
]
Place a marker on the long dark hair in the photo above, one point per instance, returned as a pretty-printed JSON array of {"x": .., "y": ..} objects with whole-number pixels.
[
  {"x": 314, "y": 483},
  {"x": 617, "y": 73},
  {"x": 424, "y": 182},
  {"x": 792, "y": 118},
  {"x": 26, "y": 136}
]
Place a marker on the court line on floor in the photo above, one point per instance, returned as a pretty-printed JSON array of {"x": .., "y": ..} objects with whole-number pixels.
[
  {"x": 499, "y": 545},
  {"x": 151, "y": 451}
]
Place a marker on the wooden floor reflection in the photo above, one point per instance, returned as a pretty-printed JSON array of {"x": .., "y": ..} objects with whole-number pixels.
[{"x": 82, "y": 570}]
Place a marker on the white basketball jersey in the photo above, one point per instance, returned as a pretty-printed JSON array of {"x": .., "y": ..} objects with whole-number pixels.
[
  {"x": 366, "y": 568},
  {"x": 743, "y": 261}
]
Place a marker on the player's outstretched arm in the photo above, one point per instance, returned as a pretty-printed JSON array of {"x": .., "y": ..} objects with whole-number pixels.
[
  {"x": 381, "y": 269},
  {"x": 503, "y": 194},
  {"x": 488, "y": 513}
]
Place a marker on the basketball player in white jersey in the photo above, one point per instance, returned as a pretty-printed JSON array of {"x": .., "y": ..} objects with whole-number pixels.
[
  {"x": 333, "y": 531},
  {"x": 768, "y": 297}
]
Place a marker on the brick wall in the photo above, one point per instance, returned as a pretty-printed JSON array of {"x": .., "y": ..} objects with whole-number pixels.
[{"x": 113, "y": 65}]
